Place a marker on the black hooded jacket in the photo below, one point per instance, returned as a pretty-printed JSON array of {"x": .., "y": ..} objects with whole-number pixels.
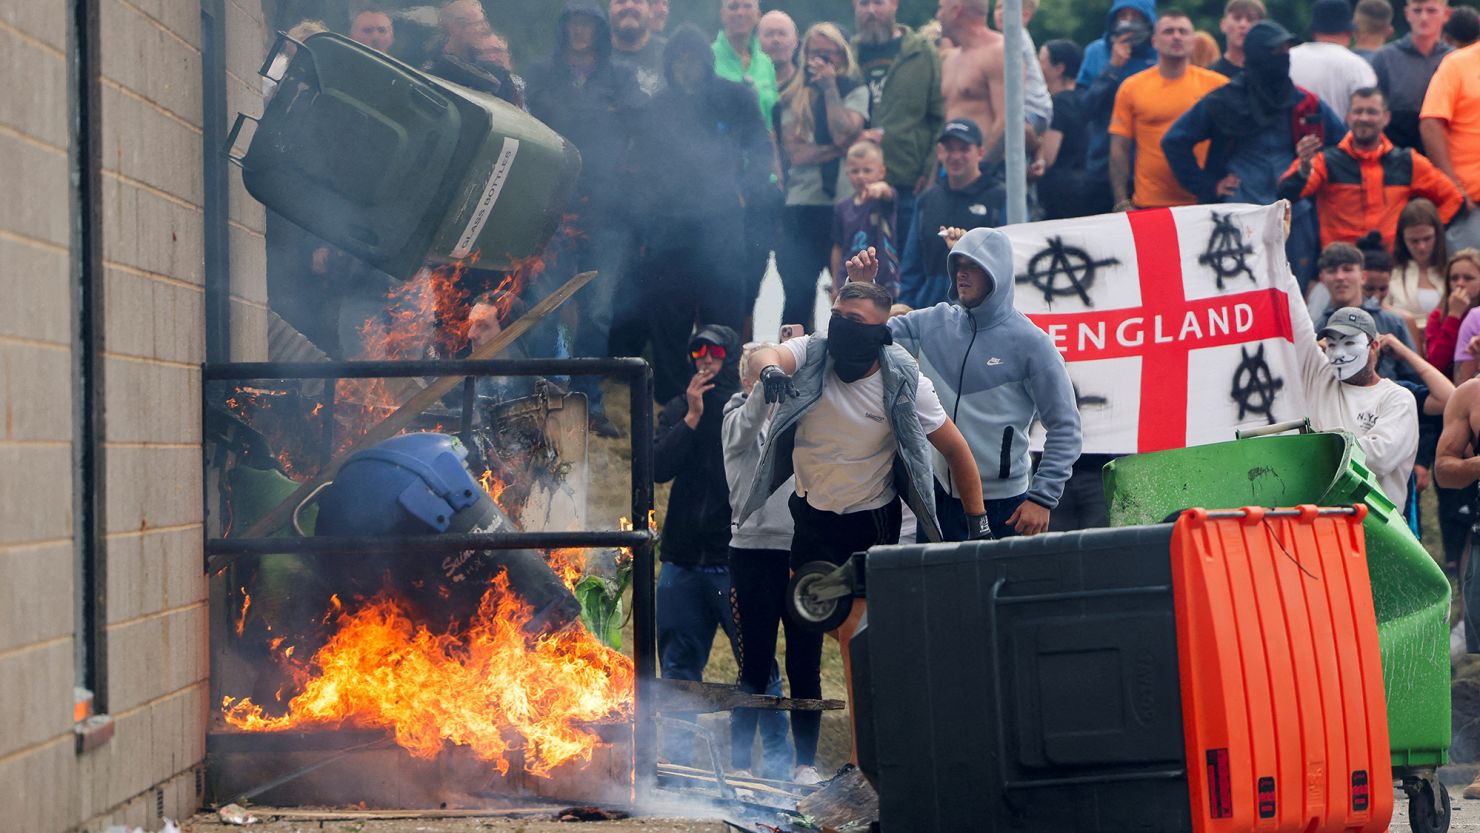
[
  {"x": 597, "y": 114},
  {"x": 1259, "y": 96},
  {"x": 700, "y": 153},
  {"x": 696, "y": 531}
]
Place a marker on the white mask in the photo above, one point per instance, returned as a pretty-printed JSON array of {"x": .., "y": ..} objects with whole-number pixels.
[{"x": 1348, "y": 354}]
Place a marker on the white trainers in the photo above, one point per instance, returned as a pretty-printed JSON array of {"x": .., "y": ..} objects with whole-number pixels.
[{"x": 806, "y": 776}]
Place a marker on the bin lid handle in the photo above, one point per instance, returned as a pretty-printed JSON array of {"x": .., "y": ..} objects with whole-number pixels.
[
  {"x": 282, "y": 42},
  {"x": 236, "y": 129},
  {"x": 1302, "y": 425}
]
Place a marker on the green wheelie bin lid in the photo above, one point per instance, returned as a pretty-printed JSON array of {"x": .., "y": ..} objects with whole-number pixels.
[
  {"x": 400, "y": 168},
  {"x": 1409, "y": 590}
]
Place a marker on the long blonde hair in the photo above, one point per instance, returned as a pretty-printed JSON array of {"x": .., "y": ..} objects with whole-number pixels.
[{"x": 798, "y": 95}]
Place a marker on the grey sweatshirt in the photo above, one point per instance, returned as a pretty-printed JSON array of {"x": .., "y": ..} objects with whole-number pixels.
[
  {"x": 995, "y": 371},
  {"x": 743, "y": 433}
]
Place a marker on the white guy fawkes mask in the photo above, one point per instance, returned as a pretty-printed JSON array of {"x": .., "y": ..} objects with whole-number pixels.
[{"x": 1348, "y": 354}]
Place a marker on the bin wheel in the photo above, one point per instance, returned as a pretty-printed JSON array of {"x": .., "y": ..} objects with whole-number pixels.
[
  {"x": 814, "y": 598},
  {"x": 1422, "y": 817}
]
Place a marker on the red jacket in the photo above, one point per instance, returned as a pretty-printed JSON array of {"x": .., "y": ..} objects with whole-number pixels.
[
  {"x": 1361, "y": 191},
  {"x": 1440, "y": 338}
]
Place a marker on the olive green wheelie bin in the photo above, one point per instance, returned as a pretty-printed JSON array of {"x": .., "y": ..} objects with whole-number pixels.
[
  {"x": 401, "y": 168},
  {"x": 1410, "y": 591}
]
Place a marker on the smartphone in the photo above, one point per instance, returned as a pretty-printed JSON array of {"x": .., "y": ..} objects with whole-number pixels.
[
  {"x": 791, "y": 331},
  {"x": 1310, "y": 125}
]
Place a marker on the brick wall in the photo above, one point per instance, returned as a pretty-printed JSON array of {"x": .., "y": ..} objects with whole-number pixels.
[{"x": 153, "y": 257}]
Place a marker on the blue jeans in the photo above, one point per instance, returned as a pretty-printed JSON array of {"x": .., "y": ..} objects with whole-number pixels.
[
  {"x": 953, "y": 517},
  {"x": 692, "y": 602}
]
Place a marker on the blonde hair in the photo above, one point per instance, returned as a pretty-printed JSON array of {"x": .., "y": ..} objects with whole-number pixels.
[
  {"x": 797, "y": 96},
  {"x": 1471, "y": 256},
  {"x": 1205, "y": 51},
  {"x": 865, "y": 150},
  {"x": 303, "y": 28}
]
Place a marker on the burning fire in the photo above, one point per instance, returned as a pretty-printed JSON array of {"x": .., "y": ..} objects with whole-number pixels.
[{"x": 487, "y": 686}]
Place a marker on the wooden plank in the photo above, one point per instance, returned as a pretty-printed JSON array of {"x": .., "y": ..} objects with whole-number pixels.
[
  {"x": 311, "y": 814},
  {"x": 423, "y": 399},
  {"x": 846, "y": 800}
]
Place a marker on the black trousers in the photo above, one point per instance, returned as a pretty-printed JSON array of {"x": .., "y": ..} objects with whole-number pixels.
[
  {"x": 758, "y": 581},
  {"x": 826, "y": 536},
  {"x": 692, "y": 275},
  {"x": 804, "y": 251}
]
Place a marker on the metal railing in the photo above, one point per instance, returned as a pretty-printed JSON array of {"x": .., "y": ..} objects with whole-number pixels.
[{"x": 638, "y": 376}]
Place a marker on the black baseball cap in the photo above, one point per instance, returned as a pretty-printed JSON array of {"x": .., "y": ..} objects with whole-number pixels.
[
  {"x": 964, "y": 129},
  {"x": 1331, "y": 17}
]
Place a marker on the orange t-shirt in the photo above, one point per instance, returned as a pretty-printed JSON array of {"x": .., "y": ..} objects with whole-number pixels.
[
  {"x": 1454, "y": 95},
  {"x": 1145, "y": 107}
]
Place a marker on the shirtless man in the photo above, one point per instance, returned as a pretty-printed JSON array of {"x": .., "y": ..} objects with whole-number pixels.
[
  {"x": 971, "y": 74},
  {"x": 1456, "y": 466}
]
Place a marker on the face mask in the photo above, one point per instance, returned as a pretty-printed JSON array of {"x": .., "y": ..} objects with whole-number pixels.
[
  {"x": 854, "y": 347},
  {"x": 1272, "y": 69},
  {"x": 1348, "y": 355}
]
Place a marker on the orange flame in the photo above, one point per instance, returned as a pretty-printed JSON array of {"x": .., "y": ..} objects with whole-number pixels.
[
  {"x": 241, "y": 621},
  {"x": 488, "y": 687}
]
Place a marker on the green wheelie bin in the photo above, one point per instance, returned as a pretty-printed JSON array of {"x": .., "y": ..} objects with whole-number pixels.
[
  {"x": 401, "y": 168},
  {"x": 1410, "y": 591}
]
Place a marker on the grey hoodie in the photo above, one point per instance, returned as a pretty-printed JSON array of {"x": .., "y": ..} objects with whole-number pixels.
[
  {"x": 744, "y": 433},
  {"x": 995, "y": 371}
]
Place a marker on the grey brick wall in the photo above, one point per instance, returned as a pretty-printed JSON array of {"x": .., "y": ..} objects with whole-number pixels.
[{"x": 153, "y": 252}]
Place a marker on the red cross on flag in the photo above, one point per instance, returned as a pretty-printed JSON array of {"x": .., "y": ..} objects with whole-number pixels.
[{"x": 1174, "y": 323}]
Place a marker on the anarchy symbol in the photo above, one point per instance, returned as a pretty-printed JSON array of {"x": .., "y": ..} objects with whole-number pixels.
[
  {"x": 1227, "y": 252},
  {"x": 1088, "y": 400},
  {"x": 1255, "y": 386},
  {"x": 1070, "y": 263}
]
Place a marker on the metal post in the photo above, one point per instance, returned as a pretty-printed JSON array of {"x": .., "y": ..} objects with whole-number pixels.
[
  {"x": 216, "y": 181},
  {"x": 1015, "y": 147},
  {"x": 644, "y": 603},
  {"x": 89, "y": 460}
]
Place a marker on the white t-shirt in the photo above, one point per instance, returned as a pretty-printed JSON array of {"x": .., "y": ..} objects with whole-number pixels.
[
  {"x": 1383, "y": 417},
  {"x": 845, "y": 447},
  {"x": 1332, "y": 72}
]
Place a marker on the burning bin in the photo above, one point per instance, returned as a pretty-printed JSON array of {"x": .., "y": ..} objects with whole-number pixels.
[
  {"x": 1409, "y": 590},
  {"x": 401, "y": 168},
  {"x": 1080, "y": 681}
]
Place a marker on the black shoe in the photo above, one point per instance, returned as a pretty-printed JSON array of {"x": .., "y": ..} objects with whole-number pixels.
[{"x": 603, "y": 427}]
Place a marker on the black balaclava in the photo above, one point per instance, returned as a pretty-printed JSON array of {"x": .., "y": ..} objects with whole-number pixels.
[
  {"x": 854, "y": 347},
  {"x": 1256, "y": 100}
]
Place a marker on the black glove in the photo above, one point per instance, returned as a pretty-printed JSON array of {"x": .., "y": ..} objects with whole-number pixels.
[
  {"x": 777, "y": 383},
  {"x": 977, "y": 528}
]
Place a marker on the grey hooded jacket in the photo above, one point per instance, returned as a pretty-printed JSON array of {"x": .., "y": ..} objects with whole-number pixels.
[
  {"x": 744, "y": 433},
  {"x": 995, "y": 371},
  {"x": 912, "y": 467}
]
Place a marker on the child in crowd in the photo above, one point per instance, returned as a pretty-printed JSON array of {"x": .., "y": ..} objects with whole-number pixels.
[
  {"x": 866, "y": 218},
  {"x": 1377, "y": 282}
]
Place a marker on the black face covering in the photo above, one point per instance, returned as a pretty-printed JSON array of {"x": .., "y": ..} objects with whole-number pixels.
[
  {"x": 1260, "y": 96},
  {"x": 854, "y": 347}
]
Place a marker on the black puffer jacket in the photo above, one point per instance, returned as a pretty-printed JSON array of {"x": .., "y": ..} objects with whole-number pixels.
[
  {"x": 696, "y": 531},
  {"x": 699, "y": 151},
  {"x": 597, "y": 114}
]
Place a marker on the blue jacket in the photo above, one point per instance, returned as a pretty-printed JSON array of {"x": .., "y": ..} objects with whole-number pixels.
[
  {"x": 995, "y": 371},
  {"x": 1098, "y": 81},
  {"x": 912, "y": 459},
  {"x": 1259, "y": 161}
]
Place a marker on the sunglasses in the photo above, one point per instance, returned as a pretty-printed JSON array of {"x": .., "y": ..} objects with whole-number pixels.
[{"x": 711, "y": 350}]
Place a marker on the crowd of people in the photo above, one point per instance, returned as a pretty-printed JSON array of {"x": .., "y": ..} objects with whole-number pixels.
[{"x": 869, "y": 157}]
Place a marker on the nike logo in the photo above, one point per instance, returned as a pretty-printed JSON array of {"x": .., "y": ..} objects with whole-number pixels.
[{"x": 993, "y": 362}]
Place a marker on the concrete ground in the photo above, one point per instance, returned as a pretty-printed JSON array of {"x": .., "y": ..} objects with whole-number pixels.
[
  {"x": 208, "y": 823},
  {"x": 1466, "y": 820}
]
